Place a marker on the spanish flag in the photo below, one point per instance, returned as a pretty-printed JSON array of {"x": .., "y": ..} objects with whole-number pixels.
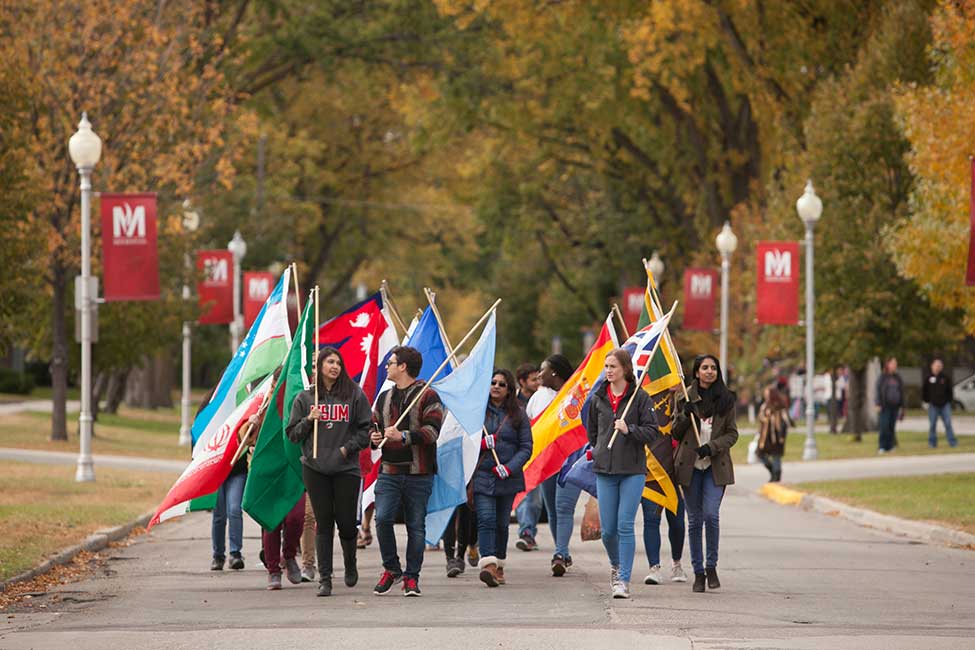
[{"x": 559, "y": 430}]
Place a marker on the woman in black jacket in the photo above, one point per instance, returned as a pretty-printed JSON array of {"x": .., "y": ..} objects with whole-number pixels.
[
  {"x": 621, "y": 470},
  {"x": 506, "y": 446},
  {"x": 331, "y": 473}
]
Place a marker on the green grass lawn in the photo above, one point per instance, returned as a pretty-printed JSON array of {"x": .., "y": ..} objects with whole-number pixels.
[
  {"x": 132, "y": 432},
  {"x": 944, "y": 498},
  {"x": 43, "y": 509},
  {"x": 841, "y": 445}
]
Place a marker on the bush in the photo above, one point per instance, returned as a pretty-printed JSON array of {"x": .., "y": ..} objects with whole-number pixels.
[{"x": 15, "y": 382}]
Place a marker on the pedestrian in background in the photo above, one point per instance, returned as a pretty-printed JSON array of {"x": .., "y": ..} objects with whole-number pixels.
[
  {"x": 704, "y": 466},
  {"x": 773, "y": 425},
  {"x": 460, "y": 534},
  {"x": 889, "y": 402},
  {"x": 936, "y": 392},
  {"x": 228, "y": 518},
  {"x": 506, "y": 445},
  {"x": 528, "y": 382}
]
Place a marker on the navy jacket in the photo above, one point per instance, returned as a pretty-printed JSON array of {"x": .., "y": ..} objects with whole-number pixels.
[{"x": 513, "y": 444}]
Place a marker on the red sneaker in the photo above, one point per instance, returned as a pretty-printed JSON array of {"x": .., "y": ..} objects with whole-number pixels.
[
  {"x": 411, "y": 587},
  {"x": 386, "y": 582}
]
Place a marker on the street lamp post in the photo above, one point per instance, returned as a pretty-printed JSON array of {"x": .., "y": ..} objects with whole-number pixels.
[
  {"x": 727, "y": 242},
  {"x": 810, "y": 207},
  {"x": 656, "y": 266},
  {"x": 191, "y": 221},
  {"x": 238, "y": 247},
  {"x": 85, "y": 148}
]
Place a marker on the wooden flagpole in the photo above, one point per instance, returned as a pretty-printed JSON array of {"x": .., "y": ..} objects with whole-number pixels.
[
  {"x": 432, "y": 299},
  {"x": 242, "y": 447},
  {"x": 643, "y": 372},
  {"x": 655, "y": 297},
  {"x": 314, "y": 443},
  {"x": 619, "y": 315},
  {"x": 443, "y": 365},
  {"x": 388, "y": 300},
  {"x": 294, "y": 276}
]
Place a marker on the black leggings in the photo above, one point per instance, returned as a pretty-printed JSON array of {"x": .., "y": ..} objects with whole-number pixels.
[
  {"x": 335, "y": 500},
  {"x": 461, "y": 532}
]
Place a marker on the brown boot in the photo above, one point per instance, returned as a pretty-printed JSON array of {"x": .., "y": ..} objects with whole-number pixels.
[
  {"x": 500, "y": 572},
  {"x": 489, "y": 571}
]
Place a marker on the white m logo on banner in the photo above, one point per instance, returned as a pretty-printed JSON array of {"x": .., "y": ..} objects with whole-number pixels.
[
  {"x": 258, "y": 289},
  {"x": 127, "y": 222},
  {"x": 778, "y": 266},
  {"x": 701, "y": 286},
  {"x": 216, "y": 270}
]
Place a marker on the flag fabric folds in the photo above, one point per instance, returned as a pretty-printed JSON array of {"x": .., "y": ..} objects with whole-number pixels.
[
  {"x": 464, "y": 394},
  {"x": 664, "y": 373},
  {"x": 211, "y": 460},
  {"x": 274, "y": 482},
  {"x": 559, "y": 430}
]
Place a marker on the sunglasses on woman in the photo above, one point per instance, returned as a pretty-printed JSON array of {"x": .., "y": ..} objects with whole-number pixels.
[{"x": 499, "y": 384}]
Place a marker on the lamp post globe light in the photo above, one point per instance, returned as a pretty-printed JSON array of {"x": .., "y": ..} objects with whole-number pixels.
[
  {"x": 85, "y": 148},
  {"x": 726, "y": 242},
  {"x": 238, "y": 247},
  {"x": 810, "y": 208},
  {"x": 656, "y": 266},
  {"x": 191, "y": 221}
]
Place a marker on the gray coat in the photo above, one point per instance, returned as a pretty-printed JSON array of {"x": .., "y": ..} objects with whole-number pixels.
[
  {"x": 344, "y": 427},
  {"x": 629, "y": 452},
  {"x": 724, "y": 435}
]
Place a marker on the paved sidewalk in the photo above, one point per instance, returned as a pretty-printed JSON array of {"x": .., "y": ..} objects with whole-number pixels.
[
  {"x": 101, "y": 460},
  {"x": 37, "y": 405}
]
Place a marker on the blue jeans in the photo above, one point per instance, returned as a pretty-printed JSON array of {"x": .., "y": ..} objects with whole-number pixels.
[
  {"x": 412, "y": 492},
  {"x": 528, "y": 512},
  {"x": 887, "y": 438},
  {"x": 493, "y": 517},
  {"x": 703, "y": 503},
  {"x": 652, "y": 514},
  {"x": 560, "y": 503},
  {"x": 944, "y": 412},
  {"x": 619, "y": 497},
  {"x": 229, "y": 497}
]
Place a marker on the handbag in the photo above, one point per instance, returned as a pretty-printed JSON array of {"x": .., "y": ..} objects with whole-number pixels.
[{"x": 590, "y": 529}]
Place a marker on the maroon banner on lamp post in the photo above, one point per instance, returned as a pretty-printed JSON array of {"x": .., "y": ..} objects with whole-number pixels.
[
  {"x": 257, "y": 287},
  {"x": 216, "y": 289},
  {"x": 778, "y": 282},
  {"x": 130, "y": 258},
  {"x": 700, "y": 296},
  {"x": 634, "y": 298}
]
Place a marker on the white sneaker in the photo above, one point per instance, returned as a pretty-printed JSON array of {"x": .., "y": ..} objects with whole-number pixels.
[
  {"x": 677, "y": 573},
  {"x": 621, "y": 590},
  {"x": 308, "y": 574},
  {"x": 654, "y": 577},
  {"x": 614, "y": 577}
]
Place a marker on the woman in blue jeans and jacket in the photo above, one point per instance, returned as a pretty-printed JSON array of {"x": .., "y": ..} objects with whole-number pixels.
[
  {"x": 621, "y": 470},
  {"x": 704, "y": 466},
  {"x": 506, "y": 445}
]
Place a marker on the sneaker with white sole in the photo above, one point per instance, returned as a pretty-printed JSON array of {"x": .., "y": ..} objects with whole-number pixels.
[
  {"x": 308, "y": 574},
  {"x": 654, "y": 577},
  {"x": 614, "y": 577},
  {"x": 621, "y": 590},
  {"x": 677, "y": 573}
]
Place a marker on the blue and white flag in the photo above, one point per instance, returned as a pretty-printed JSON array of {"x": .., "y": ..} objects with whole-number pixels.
[
  {"x": 426, "y": 338},
  {"x": 464, "y": 394}
]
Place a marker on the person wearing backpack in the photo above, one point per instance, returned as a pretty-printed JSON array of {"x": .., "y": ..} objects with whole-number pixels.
[{"x": 889, "y": 404}]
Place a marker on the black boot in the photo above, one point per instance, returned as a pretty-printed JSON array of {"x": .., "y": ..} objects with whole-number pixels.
[
  {"x": 713, "y": 582},
  {"x": 698, "y": 587},
  {"x": 323, "y": 549},
  {"x": 348, "y": 556}
]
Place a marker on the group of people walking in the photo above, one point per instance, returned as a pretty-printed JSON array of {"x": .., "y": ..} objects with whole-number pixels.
[{"x": 405, "y": 424}]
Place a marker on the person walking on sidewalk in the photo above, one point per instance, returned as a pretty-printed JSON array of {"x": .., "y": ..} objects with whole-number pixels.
[
  {"x": 308, "y": 526},
  {"x": 889, "y": 403},
  {"x": 773, "y": 425},
  {"x": 528, "y": 382},
  {"x": 458, "y": 537},
  {"x": 676, "y": 531},
  {"x": 621, "y": 470},
  {"x": 506, "y": 445},
  {"x": 704, "y": 467},
  {"x": 331, "y": 473},
  {"x": 937, "y": 393},
  {"x": 275, "y": 547},
  {"x": 529, "y": 511},
  {"x": 407, "y": 466},
  {"x": 228, "y": 514}
]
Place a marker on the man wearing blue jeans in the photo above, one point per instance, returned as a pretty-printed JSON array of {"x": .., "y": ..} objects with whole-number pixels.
[
  {"x": 528, "y": 513},
  {"x": 413, "y": 492},
  {"x": 937, "y": 393},
  {"x": 227, "y": 509}
]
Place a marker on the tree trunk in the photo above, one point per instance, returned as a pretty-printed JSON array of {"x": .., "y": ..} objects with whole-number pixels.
[
  {"x": 137, "y": 386},
  {"x": 857, "y": 395},
  {"x": 163, "y": 376},
  {"x": 150, "y": 385},
  {"x": 98, "y": 392},
  {"x": 59, "y": 355},
  {"x": 116, "y": 390}
]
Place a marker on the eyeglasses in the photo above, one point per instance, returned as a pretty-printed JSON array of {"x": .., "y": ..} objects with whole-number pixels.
[
  {"x": 499, "y": 384},
  {"x": 392, "y": 362}
]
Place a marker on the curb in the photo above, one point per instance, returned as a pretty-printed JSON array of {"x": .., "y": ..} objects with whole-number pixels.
[
  {"x": 921, "y": 531},
  {"x": 94, "y": 542}
]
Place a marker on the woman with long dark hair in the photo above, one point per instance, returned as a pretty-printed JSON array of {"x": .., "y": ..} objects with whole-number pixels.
[
  {"x": 773, "y": 425},
  {"x": 331, "y": 472},
  {"x": 506, "y": 446},
  {"x": 704, "y": 466},
  {"x": 621, "y": 470}
]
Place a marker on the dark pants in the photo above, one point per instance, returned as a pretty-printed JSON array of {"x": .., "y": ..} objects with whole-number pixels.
[
  {"x": 460, "y": 533},
  {"x": 291, "y": 527},
  {"x": 412, "y": 492},
  {"x": 493, "y": 517},
  {"x": 651, "y": 530},
  {"x": 887, "y": 439},
  {"x": 335, "y": 500}
]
